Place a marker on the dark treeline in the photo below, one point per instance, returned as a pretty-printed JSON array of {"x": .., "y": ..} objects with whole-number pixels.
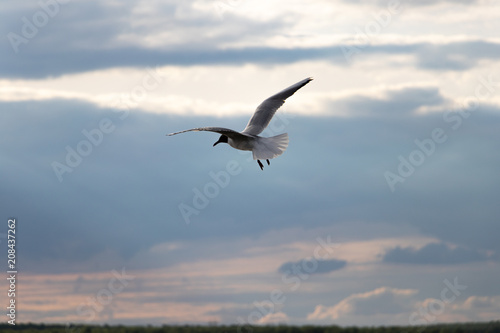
[{"x": 492, "y": 327}]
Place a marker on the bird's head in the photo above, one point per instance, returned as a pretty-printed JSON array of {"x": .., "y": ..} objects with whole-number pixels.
[{"x": 222, "y": 139}]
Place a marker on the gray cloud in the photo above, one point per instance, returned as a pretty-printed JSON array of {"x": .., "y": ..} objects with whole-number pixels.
[
  {"x": 90, "y": 35},
  {"x": 74, "y": 61},
  {"x": 311, "y": 266},
  {"x": 397, "y": 102},
  {"x": 456, "y": 56},
  {"x": 45, "y": 62},
  {"x": 434, "y": 254}
]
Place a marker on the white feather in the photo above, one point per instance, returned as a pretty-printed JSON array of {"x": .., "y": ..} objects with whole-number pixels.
[
  {"x": 266, "y": 110},
  {"x": 268, "y": 148}
]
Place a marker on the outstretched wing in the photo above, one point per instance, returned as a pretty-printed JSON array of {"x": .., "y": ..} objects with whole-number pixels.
[
  {"x": 221, "y": 130},
  {"x": 266, "y": 110}
]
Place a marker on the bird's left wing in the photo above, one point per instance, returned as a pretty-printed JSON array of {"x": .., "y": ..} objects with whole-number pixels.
[
  {"x": 266, "y": 110},
  {"x": 221, "y": 130}
]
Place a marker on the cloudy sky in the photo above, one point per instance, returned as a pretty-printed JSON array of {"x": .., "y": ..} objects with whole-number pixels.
[{"x": 383, "y": 210}]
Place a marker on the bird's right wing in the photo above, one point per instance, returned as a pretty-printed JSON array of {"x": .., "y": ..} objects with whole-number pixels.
[
  {"x": 266, "y": 110},
  {"x": 221, "y": 130}
]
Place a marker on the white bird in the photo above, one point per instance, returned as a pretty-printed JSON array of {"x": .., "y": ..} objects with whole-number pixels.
[{"x": 261, "y": 147}]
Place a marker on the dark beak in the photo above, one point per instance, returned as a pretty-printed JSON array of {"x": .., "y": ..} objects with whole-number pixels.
[{"x": 222, "y": 139}]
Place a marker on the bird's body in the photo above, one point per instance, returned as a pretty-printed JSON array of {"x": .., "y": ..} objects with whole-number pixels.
[
  {"x": 261, "y": 147},
  {"x": 247, "y": 144}
]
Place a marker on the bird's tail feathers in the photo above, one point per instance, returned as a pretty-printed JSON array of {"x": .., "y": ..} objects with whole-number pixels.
[{"x": 267, "y": 148}]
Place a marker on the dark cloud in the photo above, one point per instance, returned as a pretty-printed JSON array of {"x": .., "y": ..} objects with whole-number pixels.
[
  {"x": 456, "y": 56},
  {"x": 41, "y": 63},
  {"x": 87, "y": 36},
  {"x": 434, "y": 254},
  {"x": 312, "y": 266},
  {"x": 71, "y": 61},
  {"x": 399, "y": 102}
]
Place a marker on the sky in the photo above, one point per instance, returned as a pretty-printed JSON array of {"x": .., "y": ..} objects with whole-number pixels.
[{"x": 382, "y": 211}]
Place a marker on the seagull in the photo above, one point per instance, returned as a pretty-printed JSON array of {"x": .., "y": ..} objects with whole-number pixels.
[{"x": 262, "y": 148}]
